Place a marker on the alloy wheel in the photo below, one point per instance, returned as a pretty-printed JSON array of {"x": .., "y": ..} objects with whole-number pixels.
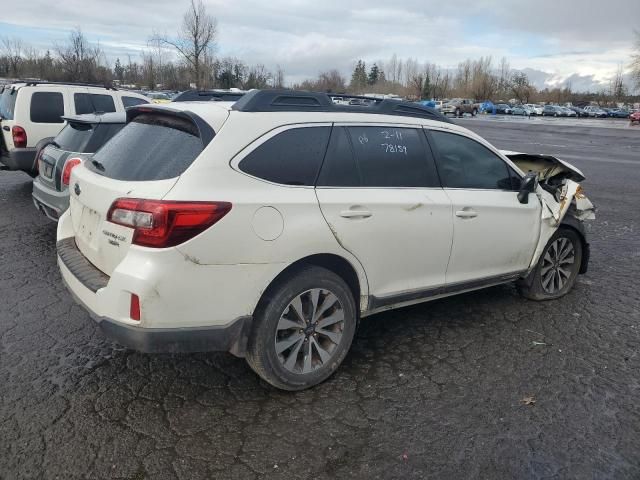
[
  {"x": 309, "y": 331},
  {"x": 557, "y": 265}
]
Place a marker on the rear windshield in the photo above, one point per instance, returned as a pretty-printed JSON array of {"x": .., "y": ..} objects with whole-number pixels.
[
  {"x": 150, "y": 147},
  {"x": 86, "y": 137},
  {"x": 8, "y": 103}
]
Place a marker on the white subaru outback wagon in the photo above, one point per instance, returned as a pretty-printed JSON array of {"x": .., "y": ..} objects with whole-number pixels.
[{"x": 269, "y": 227}]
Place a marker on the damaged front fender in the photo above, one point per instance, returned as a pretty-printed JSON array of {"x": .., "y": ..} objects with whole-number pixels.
[{"x": 559, "y": 192}]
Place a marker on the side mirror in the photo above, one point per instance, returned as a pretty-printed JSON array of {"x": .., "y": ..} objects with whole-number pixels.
[{"x": 528, "y": 185}]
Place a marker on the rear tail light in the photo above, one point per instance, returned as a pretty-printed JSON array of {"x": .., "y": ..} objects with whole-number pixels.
[
  {"x": 134, "y": 308},
  {"x": 19, "y": 137},
  {"x": 162, "y": 224},
  {"x": 68, "y": 166}
]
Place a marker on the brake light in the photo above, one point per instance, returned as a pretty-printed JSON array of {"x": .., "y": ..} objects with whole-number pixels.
[
  {"x": 19, "y": 137},
  {"x": 162, "y": 224},
  {"x": 68, "y": 166},
  {"x": 134, "y": 307}
]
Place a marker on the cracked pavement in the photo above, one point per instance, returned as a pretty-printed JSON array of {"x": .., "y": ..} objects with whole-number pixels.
[{"x": 437, "y": 390}]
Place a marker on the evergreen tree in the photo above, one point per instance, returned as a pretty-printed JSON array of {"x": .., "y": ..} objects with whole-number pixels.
[
  {"x": 359, "y": 77},
  {"x": 374, "y": 75},
  {"x": 118, "y": 69}
]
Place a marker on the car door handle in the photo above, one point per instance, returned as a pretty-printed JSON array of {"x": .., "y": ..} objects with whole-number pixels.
[
  {"x": 464, "y": 213},
  {"x": 355, "y": 214}
]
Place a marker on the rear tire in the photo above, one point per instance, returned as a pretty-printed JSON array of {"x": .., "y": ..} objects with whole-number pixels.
[
  {"x": 557, "y": 270},
  {"x": 474, "y": 112},
  {"x": 302, "y": 329}
]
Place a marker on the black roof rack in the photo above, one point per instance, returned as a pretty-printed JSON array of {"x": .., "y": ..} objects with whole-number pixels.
[
  {"x": 32, "y": 83},
  {"x": 300, "y": 101},
  {"x": 213, "y": 95}
]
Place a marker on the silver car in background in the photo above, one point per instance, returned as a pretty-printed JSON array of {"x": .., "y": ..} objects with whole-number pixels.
[{"x": 77, "y": 141}]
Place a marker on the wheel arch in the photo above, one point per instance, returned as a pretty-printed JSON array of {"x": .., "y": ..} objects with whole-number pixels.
[
  {"x": 354, "y": 278},
  {"x": 572, "y": 223}
]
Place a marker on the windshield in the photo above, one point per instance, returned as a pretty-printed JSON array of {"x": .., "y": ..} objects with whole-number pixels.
[{"x": 8, "y": 103}]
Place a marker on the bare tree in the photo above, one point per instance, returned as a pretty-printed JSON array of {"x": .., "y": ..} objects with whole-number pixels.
[
  {"x": 520, "y": 87},
  {"x": 278, "y": 78},
  {"x": 618, "y": 88},
  {"x": 195, "y": 40},
  {"x": 79, "y": 60},
  {"x": 13, "y": 50},
  {"x": 504, "y": 75}
]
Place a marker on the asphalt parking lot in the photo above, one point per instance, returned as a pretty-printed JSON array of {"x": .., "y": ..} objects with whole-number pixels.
[{"x": 483, "y": 385}]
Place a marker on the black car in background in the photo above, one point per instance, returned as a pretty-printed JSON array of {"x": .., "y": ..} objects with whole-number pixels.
[
  {"x": 580, "y": 111},
  {"x": 503, "y": 108}
]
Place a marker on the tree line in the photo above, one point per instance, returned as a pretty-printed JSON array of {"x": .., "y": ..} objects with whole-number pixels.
[{"x": 187, "y": 59}]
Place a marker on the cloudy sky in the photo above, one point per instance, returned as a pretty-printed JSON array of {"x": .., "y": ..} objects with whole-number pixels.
[{"x": 556, "y": 40}]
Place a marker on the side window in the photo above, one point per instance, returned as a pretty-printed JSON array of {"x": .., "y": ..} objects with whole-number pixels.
[
  {"x": 392, "y": 157},
  {"x": 465, "y": 163},
  {"x": 47, "y": 107},
  {"x": 292, "y": 157},
  {"x": 339, "y": 168},
  {"x": 91, "y": 103},
  {"x": 132, "y": 101}
]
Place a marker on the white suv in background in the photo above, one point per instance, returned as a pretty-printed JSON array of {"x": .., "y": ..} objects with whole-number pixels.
[
  {"x": 269, "y": 227},
  {"x": 31, "y": 114}
]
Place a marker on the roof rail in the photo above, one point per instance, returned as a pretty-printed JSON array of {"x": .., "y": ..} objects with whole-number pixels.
[
  {"x": 32, "y": 83},
  {"x": 301, "y": 101}
]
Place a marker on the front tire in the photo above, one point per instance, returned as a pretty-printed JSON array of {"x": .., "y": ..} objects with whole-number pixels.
[
  {"x": 474, "y": 112},
  {"x": 557, "y": 270},
  {"x": 303, "y": 329}
]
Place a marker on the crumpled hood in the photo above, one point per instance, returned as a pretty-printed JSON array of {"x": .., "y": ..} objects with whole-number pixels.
[{"x": 547, "y": 166}]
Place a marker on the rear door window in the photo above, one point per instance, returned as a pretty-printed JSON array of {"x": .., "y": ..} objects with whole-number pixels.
[
  {"x": 378, "y": 157},
  {"x": 132, "y": 101},
  {"x": 292, "y": 157},
  {"x": 91, "y": 103},
  {"x": 151, "y": 147},
  {"x": 464, "y": 163},
  {"x": 47, "y": 107}
]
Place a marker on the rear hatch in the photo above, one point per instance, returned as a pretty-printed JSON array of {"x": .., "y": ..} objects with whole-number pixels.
[{"x": 143, "y": 160}]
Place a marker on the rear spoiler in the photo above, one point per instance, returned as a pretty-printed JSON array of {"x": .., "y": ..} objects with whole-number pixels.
[{"x": 205, "y": 131}]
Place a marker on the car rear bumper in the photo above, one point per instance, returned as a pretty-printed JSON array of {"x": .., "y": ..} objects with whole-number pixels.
[
  {"x": 84, "y": 281},
  {"x": 19, "y": 159},
  {"x": 50, "y": 202},
  {"x": 225, "y": 338}
]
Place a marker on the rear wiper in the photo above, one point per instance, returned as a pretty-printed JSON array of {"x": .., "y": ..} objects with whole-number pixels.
[{"x": 98, "y": 165}]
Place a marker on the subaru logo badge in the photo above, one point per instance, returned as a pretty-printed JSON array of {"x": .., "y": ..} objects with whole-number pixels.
[{"x": 76, "y": 189}]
